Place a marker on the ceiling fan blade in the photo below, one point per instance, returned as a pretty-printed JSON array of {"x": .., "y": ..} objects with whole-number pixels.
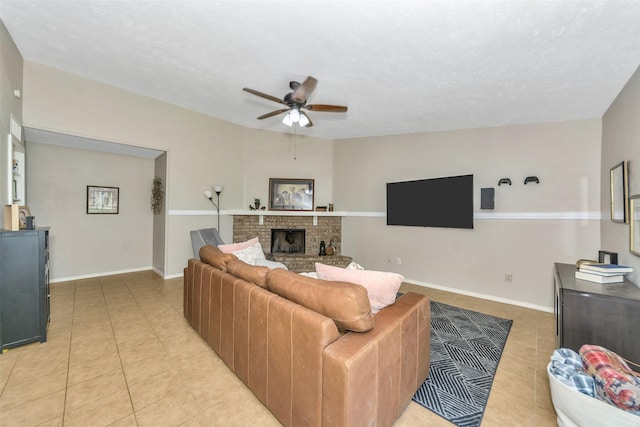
[
  {"x": 303, "y": 91},
  {"x": 327, "y": 108},
  {"x": 308, "y": 125},
  {"x": 263, "y": 95},
  {"x": 273, "y": 113}
]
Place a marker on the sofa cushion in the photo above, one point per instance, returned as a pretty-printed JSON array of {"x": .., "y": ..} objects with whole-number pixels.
[
  {"x": 250, "y": 273},
  {"x": 382, "y": 286},
  {"x": 215, "y": 257},
  {"x": 346, "y": 303}
]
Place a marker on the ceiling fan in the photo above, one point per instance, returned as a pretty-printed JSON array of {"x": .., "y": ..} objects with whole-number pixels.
[{"x": 296, "y": 102}]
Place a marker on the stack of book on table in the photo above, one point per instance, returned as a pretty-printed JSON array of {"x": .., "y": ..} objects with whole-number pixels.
[{"x": 603, "y": 273}]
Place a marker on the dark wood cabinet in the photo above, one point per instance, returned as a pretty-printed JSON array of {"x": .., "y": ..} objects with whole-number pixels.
[
  {"x": 593, "y": 313},
  {"x": 24, "y": 286}
]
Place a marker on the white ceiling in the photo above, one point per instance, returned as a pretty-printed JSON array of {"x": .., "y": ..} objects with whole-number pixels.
[{"x": 400, "y": 66}]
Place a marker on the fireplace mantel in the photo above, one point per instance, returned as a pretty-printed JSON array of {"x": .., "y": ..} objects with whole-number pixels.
[
  {"x": 286, "y": 213},
  {"x": 314, "y": 214}
]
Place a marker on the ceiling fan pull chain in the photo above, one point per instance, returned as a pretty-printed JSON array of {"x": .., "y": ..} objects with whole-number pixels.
[{"x": 295, "y": 143}]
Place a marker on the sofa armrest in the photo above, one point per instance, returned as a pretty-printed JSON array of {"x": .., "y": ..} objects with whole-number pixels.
[{"x": 369, "y": 378}]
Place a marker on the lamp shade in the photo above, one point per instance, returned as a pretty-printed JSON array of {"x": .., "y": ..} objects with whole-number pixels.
[
  {"x": 218, "y": 189},
  {"x": 208, "y": 194},
  {"x": 303, "y": 120},
  {"x": 294, "y": 115},
  {"x": 287, "y": 120}
]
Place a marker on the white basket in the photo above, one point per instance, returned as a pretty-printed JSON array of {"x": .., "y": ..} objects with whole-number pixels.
[{"x": 575, "y": 409}]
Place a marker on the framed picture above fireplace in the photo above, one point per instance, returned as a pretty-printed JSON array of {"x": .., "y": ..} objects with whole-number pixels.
[{"x": 291, "y": 194}]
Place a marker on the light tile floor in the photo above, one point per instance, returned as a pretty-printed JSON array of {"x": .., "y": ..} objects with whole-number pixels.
[{"x": 120, "y": 353}]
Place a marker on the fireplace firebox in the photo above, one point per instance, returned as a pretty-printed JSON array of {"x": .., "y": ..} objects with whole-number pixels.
[{"x": 287, "y": 241}]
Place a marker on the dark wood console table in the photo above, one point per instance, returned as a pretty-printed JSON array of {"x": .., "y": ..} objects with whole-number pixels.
[{"x": 592, "y": 313}]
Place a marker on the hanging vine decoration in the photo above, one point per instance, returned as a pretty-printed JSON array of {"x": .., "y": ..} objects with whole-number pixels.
[{"x": 157, "y": 194}]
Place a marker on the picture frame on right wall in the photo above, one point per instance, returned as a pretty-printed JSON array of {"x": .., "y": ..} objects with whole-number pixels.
[
  {"x": 634, "y": 224},
  {"x": 620, "y": 193}
]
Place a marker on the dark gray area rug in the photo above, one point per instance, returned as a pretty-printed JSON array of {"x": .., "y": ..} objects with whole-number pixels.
[{"x": 466, "y": 347}]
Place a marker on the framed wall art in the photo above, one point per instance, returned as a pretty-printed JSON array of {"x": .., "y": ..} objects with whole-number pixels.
[
  {"x": 102, "y": 200},
  {"x": 291, "y": 194},
  {"x": 23, "y": 213},
  {"x": 634, "y": 224},
  {"x": 620, "y": 193}
]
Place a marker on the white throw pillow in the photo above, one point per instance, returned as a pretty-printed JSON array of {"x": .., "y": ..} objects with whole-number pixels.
[
  {"x": 311, "y": 274},
  {"x": 354, "y": 266},
  {"x": 381, "y": 286},
  {"x": 250, "y": 254},
  {"x": 270, "y": 264}
]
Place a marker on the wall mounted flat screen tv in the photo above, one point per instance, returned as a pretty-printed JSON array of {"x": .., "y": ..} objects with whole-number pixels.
[{"x": 437, "y": 202}]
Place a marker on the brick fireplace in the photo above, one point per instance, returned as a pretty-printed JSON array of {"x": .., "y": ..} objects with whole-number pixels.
[{"x": 328, "y": 228}]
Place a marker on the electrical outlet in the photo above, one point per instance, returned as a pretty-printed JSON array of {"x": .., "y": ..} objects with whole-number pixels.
[
  {"x": 508, "y": 277},
  {"x": 398, "y": 260}
]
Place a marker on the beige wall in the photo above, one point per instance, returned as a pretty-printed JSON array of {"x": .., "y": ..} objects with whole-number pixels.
[
  {"x": 10, "y": 79},
  {"x": 201, "y": 150},
  {"x": 84, "y": 244},
  {"x": 564, "y": 156},
  {"x": 621, "y": 141},
  {"x": 159, "y": 220},
  {"x": 275, "y": 155}
]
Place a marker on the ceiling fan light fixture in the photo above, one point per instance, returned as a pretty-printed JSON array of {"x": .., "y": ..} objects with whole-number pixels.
[
  {"x": 295, "y": 114},
  {"x": 287, "y": 120},
  {"x": 303, "y": 121},
  {"x": 294, "y": 101}
]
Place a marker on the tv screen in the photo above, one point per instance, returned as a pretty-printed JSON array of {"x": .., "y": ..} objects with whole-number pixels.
[{"x": 437, "y": 202}]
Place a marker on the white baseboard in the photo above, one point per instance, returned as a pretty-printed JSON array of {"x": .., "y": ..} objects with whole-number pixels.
[
  {"x": 173, "y": 276},
  {"x": 483, "y": 296},
  {"x": 104, "y": 273}
]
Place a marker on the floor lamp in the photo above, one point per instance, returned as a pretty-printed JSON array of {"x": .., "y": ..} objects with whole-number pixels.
[{"x": 209, "y": 195}]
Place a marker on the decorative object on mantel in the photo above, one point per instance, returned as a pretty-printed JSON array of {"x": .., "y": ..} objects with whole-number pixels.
[
  {"x": 157, "y": 195},
  {"x": 217, "y": 189},
  {"x": 634, "y": 224},
  {"x": 504, "y": 181},
  {"x": 330, "y": 249},
  {"x": 330, "y": 207},
  {"x": 256, "y": 203},
  {"x": 531, "y": 179},
  {"x": 103, "y": 200},
  {"x": 619, "y": 175},
  {"x": 323, "y": 249},
  {"x": 291, "y": 194},
  {"x": 321, "y": 208}
]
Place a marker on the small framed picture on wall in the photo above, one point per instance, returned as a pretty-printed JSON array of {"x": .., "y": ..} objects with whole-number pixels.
[{"x": 102, "y": 200}]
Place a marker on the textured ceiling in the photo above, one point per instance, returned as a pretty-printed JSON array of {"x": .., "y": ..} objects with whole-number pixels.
[{"x": 400, "y": 66}]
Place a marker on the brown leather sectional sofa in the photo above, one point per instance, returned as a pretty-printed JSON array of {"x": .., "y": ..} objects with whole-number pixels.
[{"x": 291, "y": 339}]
